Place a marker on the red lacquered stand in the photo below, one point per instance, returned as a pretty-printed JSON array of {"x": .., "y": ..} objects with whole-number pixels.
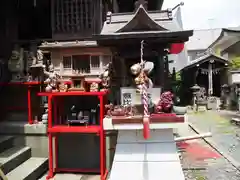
[
  {"x": 29, "y": 101},
  {"x": 55, "y": 105}
]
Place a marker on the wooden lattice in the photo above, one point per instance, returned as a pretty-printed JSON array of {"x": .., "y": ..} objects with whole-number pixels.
[{"x": 73, "y": 16}]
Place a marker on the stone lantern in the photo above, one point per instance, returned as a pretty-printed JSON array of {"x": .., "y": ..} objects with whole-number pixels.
[
  {"x": 225, "y": 90},
  {"x": 238, "y": 94},
  {"x": 195, "y": 89}
]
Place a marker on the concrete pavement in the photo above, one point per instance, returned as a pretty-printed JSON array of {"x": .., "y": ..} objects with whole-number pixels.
[{"x": 201, "y": 162}]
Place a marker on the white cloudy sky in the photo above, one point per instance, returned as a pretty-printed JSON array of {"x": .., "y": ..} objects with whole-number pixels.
[{"x": 202, "y": 14}]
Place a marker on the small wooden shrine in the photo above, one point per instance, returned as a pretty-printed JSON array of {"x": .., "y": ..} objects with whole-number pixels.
[
  {"x": 123, "y": 34},
  {"x": 209, "y": 72}
]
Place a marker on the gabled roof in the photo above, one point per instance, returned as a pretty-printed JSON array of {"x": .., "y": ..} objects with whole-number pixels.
[
  {"x": 202, "y": 39},
  {"x": 157, "y": 19},
  {"x": 141, "y": 21},
  {"x": 207, "y": 57},
  {"x": 225, "y": 32},
  {"x": 142, "y": 24}
]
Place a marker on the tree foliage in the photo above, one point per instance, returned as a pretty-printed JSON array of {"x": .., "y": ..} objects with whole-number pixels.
[
  {"x": 235, "y": 62},
  {"x": 178, "y": 76}
]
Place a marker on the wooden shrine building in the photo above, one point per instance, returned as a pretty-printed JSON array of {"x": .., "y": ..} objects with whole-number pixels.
[
  {"x": 208, "y": 71},
  {"x": 123, "y": 34}
]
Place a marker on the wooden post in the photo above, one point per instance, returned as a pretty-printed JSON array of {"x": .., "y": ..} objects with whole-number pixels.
[
  {"x": 210, "y": 79},
  {"x": 2, "y": 175}
]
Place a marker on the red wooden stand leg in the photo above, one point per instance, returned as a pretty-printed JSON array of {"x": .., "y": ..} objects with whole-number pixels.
[
  {"x": 50, "y": 138},
  {"x": 55, "y": 110},
  {"x": 50, "y": 111},
  {"x": 102, "y": 142},
  {"x": 50, "y": 172},
  {"x": 30, "y": 121},
  {"x": 56, "y": 119}
]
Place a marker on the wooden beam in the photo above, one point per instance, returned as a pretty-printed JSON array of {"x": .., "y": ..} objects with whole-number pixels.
[{"x": 198, "y": 136}]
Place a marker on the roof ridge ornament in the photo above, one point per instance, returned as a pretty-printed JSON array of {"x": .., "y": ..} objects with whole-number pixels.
[
  {"x": 109, "y": 17},
  {"x": 178, "y": 5},
  {"x": 138, "y": 3}
]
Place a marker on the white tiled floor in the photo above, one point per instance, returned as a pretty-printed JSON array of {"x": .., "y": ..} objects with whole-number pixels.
[
  {"x": 147, "y": 171},
  {"x": 152, "y": 159},
  {"x": 129, "y": 152},
  {"x": 161, "y": 152}
]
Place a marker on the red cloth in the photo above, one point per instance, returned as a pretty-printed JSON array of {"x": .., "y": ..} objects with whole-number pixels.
[{"x": 197, "y": 151}]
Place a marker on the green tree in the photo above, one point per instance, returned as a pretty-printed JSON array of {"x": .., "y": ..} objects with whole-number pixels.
[
  {"x": 235, "y": 63},
  {"x": 178, "y": 76}
]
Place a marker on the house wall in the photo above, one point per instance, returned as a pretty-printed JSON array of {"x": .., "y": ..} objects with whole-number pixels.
[
  {"x": 193, "y": 54},
  {"x": 233, "y": 54},
  {"x": 57, "y": 58}
]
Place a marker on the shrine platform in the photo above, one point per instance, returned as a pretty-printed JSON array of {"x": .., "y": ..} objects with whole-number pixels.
[
  {"x": 141, "y": 158},
  {"x": 131, "y": 123}
]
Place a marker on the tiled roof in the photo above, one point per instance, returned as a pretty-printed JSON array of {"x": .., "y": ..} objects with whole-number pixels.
[
  {"x": 202, "y": 39},
  {"x": 163, "y": 18},
  {"x": 222, "y": 34},
  {"x": 67, "y": 44},
  {"x": 119, "y": 20},
  {"x": 232, "y": 28},
  {"x": 207, "y": 56}
]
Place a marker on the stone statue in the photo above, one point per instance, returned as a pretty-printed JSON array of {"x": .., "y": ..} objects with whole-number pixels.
[
  {"x": 48, "y": 69},
  {"x": 16, "y": 63},
  {"x": 36, "y": 61},
  {"x": 45, "y": 117},
  {"x": 39, "y": 57},
  {"x": 52, "y": 83},
  {"x": 105, "y": 77},
  {"x": 32, "y": 59}
]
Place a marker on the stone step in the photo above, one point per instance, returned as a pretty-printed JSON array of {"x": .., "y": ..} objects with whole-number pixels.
[
  {"x": 31, "y": 169},
  {"x": 13, "y": 157},
  {"x": 70, "y": 176},
  {"x": 21, "y": 127},
  {"x": 6, "y": 142}
]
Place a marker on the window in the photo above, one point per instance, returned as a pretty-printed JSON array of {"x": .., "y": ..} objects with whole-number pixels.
[
  {"x": 95, "y": 62},
  {"x": 84, "y": 63},
  {"x": 105, "y": 60},
  {"x": 73, "y": 15},
  {"x": 77, "y": 83},
  {"x": 67, "y": 62},
  {"x": 81, "y": 63}
]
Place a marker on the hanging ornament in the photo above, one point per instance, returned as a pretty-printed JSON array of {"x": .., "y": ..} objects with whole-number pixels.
[{"x": 176, "y": 48}]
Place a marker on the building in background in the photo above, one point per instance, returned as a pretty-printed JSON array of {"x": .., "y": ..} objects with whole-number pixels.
[{"x": 200, "y": 42}]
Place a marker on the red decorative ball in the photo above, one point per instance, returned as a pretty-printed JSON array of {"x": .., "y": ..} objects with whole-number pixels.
[{"x": 176, "y": 48}]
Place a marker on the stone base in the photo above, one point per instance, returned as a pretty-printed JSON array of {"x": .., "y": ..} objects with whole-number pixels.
[
  {"x": 33, "y": 136},
  {"x": 138, "y": 159}
]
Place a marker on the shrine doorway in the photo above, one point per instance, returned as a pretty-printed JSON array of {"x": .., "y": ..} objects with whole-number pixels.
[{"x": 203, "y": 81}]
